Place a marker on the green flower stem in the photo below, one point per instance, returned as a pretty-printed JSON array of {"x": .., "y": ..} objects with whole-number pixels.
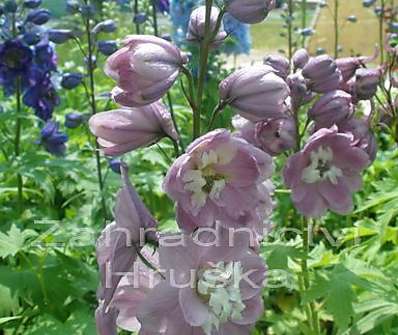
[
  {"x": 303, "y": 19},
  {"x": 310, "y": 307},
  {"x": 93, "y": 104},
  {"x": 18, "y": 124},
  {"x": 336, "y": 28},
  {"x": 203, "y": 63},
  {"x": 381, "y": 31},
  {"x": 136, "y": 10},
  {"x": 290, "y": 29}
]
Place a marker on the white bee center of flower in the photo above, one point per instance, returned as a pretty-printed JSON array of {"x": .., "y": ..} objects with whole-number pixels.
[
  {"x": 204, "y": 182},
  {"x": 321, "y": 167},
  {"x": 219, "y": 287}
]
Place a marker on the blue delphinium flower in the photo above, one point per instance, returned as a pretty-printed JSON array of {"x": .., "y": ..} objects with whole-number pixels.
[
  {"x": 15, "y": 62},
  {"x": 73, "y": 120},
  {"x": 42, "y": 96},
  {"x": 163, "y": 6},
  {"x": 52, "y": 139},
  {"x": 180, "y": 12},
  {"x": 115, "y": 165},
  {"x": 45, "y": 57},
  {"x": 240, "y": 39}
]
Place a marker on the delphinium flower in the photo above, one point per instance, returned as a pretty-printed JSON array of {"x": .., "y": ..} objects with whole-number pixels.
[
  {"x": 125, "y": 129},
  {"x": 239, "y": 41},
  {"x": 144, "y": 69},
  {"x": 250, "y": 11},
  {"x": 220, "y": 177},
  {"x": 325, "y": 173},
  {"x": 52, "y": 139}
]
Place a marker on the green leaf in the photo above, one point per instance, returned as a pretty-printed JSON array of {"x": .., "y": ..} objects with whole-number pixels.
[
  {"x": 13, "y": 241},
  {"x": 280, "y": 254}
]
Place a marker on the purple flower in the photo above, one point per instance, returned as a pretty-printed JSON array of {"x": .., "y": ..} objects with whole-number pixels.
[
  {"x": 163, "y": 6},
  {"x": 322, "y": 74},
  {"x": 332, "y": 108},
  {"x": 59, "y": 36},
  {"x": 279, "y": 63},
  {"x": 15, "y": 61},
  {"x": 42, "y": 97},
  {"x": 45, "y": 57},
  {"x": 118, "y": 244},
  {"x": 363, "y": 136},
  {"x": 299, "y": 91},
  {"x": 325, "y": 173},
  {"x": 256, "y": 92},
  {"x": 273, "y": 136},
  {"x": 123, "y": 130},
  {"x": 107, "y": 26},
  {"x": 220, "y": 178},
  {"x": 196, "y": 27},
  {"x": 145, "y": 69},
  {"x": 250, "y": 11},
  {"x": 349, "y": 65},
  {"x": 52, "y": 139},
  {"x": 32, "y": 3},
  {"x": 365, "y": 83},
  {"x": 207, "y": 289},
  {"x": 107, "y": 48}
]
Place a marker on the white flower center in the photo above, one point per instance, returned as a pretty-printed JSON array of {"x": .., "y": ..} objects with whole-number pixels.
[
  {"x": 219, "y": 287},
  {"x": 321, "y": 167},
  {"x": 204, "y": 182}
]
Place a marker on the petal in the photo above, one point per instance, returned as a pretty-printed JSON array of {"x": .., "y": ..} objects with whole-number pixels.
[
  {"x": 338, "y": 197},
  {"x": 196, "y": 313}
]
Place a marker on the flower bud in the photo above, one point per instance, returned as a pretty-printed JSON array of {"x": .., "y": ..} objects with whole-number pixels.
[
  {"x": 145, "y": 69},
  {"x": 348, "y": 65},
  {"x": 31, "y": 38},
  {"x": 363, "y": 136},
  {"x": 250, "y": 11},
  {"x": 10, "y": 6},
  {"x": 59, "y": 36},
  {"x": 300, "y": 58},
  {"x": 332, "y": 108},
  {"x": 196, "y": 27},
  {"x": 72, "y": 6},
  {"x": 115, "y": 165},
  {"x": 322, "y": 74},
  {"x": 257, "y": 92},
  {"x": 299, "y": 91},
  {"x": 70, "y": 81},
  {"x": 52, "y": 139},
  {"x": 87, "y": 11},
  {"x": 107, "y": 48},
  {"x": 32, "y": 3},
  {"x": 107, "y": 26},
  {"x": 368, "y": 3},
  {"x": 140, "y": 18},
  {"x": 279, "y": 63},
  {"x": 123, "y": 130},
  {"x": 38, "y": 16},
  {"x": 275, "y": 136},
  {"x": 73, "y": 120},
  {"x": 364, "y": 87}
]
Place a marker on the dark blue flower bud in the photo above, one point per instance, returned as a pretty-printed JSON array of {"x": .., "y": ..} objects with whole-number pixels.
[
  {"x": 73, "y": 120},
  {"x": 107, "y": 26},
  {"x": 166, "y": 36},
  {"x": 72, "y": 6},
  {"x": 32, "y": 3},
  {"x": 307, "y": 32},
  {"x": 394, "y": 27},
  {"x": 140, "y": 18},
  {"x": 38, "y": 16},
  {"x": 59, "y": 36},
  {"x": 368, "y": 3},
  {"x": 70, "y": 81},
  {"x": 10, "y": 6},
  {"x": 87, "y": 11},
  {"x": 378, "y": 11},
  {"x": 115, "y": 165},
  {"x": 31, "y": 38},
  {"x": 352, "y": 19},
  {"x": 320, "y": 51},
  {"x": 107, "y": 48}
]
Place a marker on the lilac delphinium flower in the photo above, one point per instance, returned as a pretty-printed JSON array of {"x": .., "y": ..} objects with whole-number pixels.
[
  {"x": 52, "y": 139},
  {"x": 207, "y": 289},
  {"x": 256, "y": 92},
  {"x": 123, "y": 130},
  {"x": 144, "y": 69},
  {"x": 250, "y": 11},
  {"x": 325, "y": 173},
  {"x": 279, "y": 63},
  {"x": 220, "y": 177}
]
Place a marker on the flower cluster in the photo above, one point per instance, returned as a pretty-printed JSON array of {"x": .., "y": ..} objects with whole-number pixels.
[
  {"x": 28, "y": 62},
  {"x": 210, "y": 280}
]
